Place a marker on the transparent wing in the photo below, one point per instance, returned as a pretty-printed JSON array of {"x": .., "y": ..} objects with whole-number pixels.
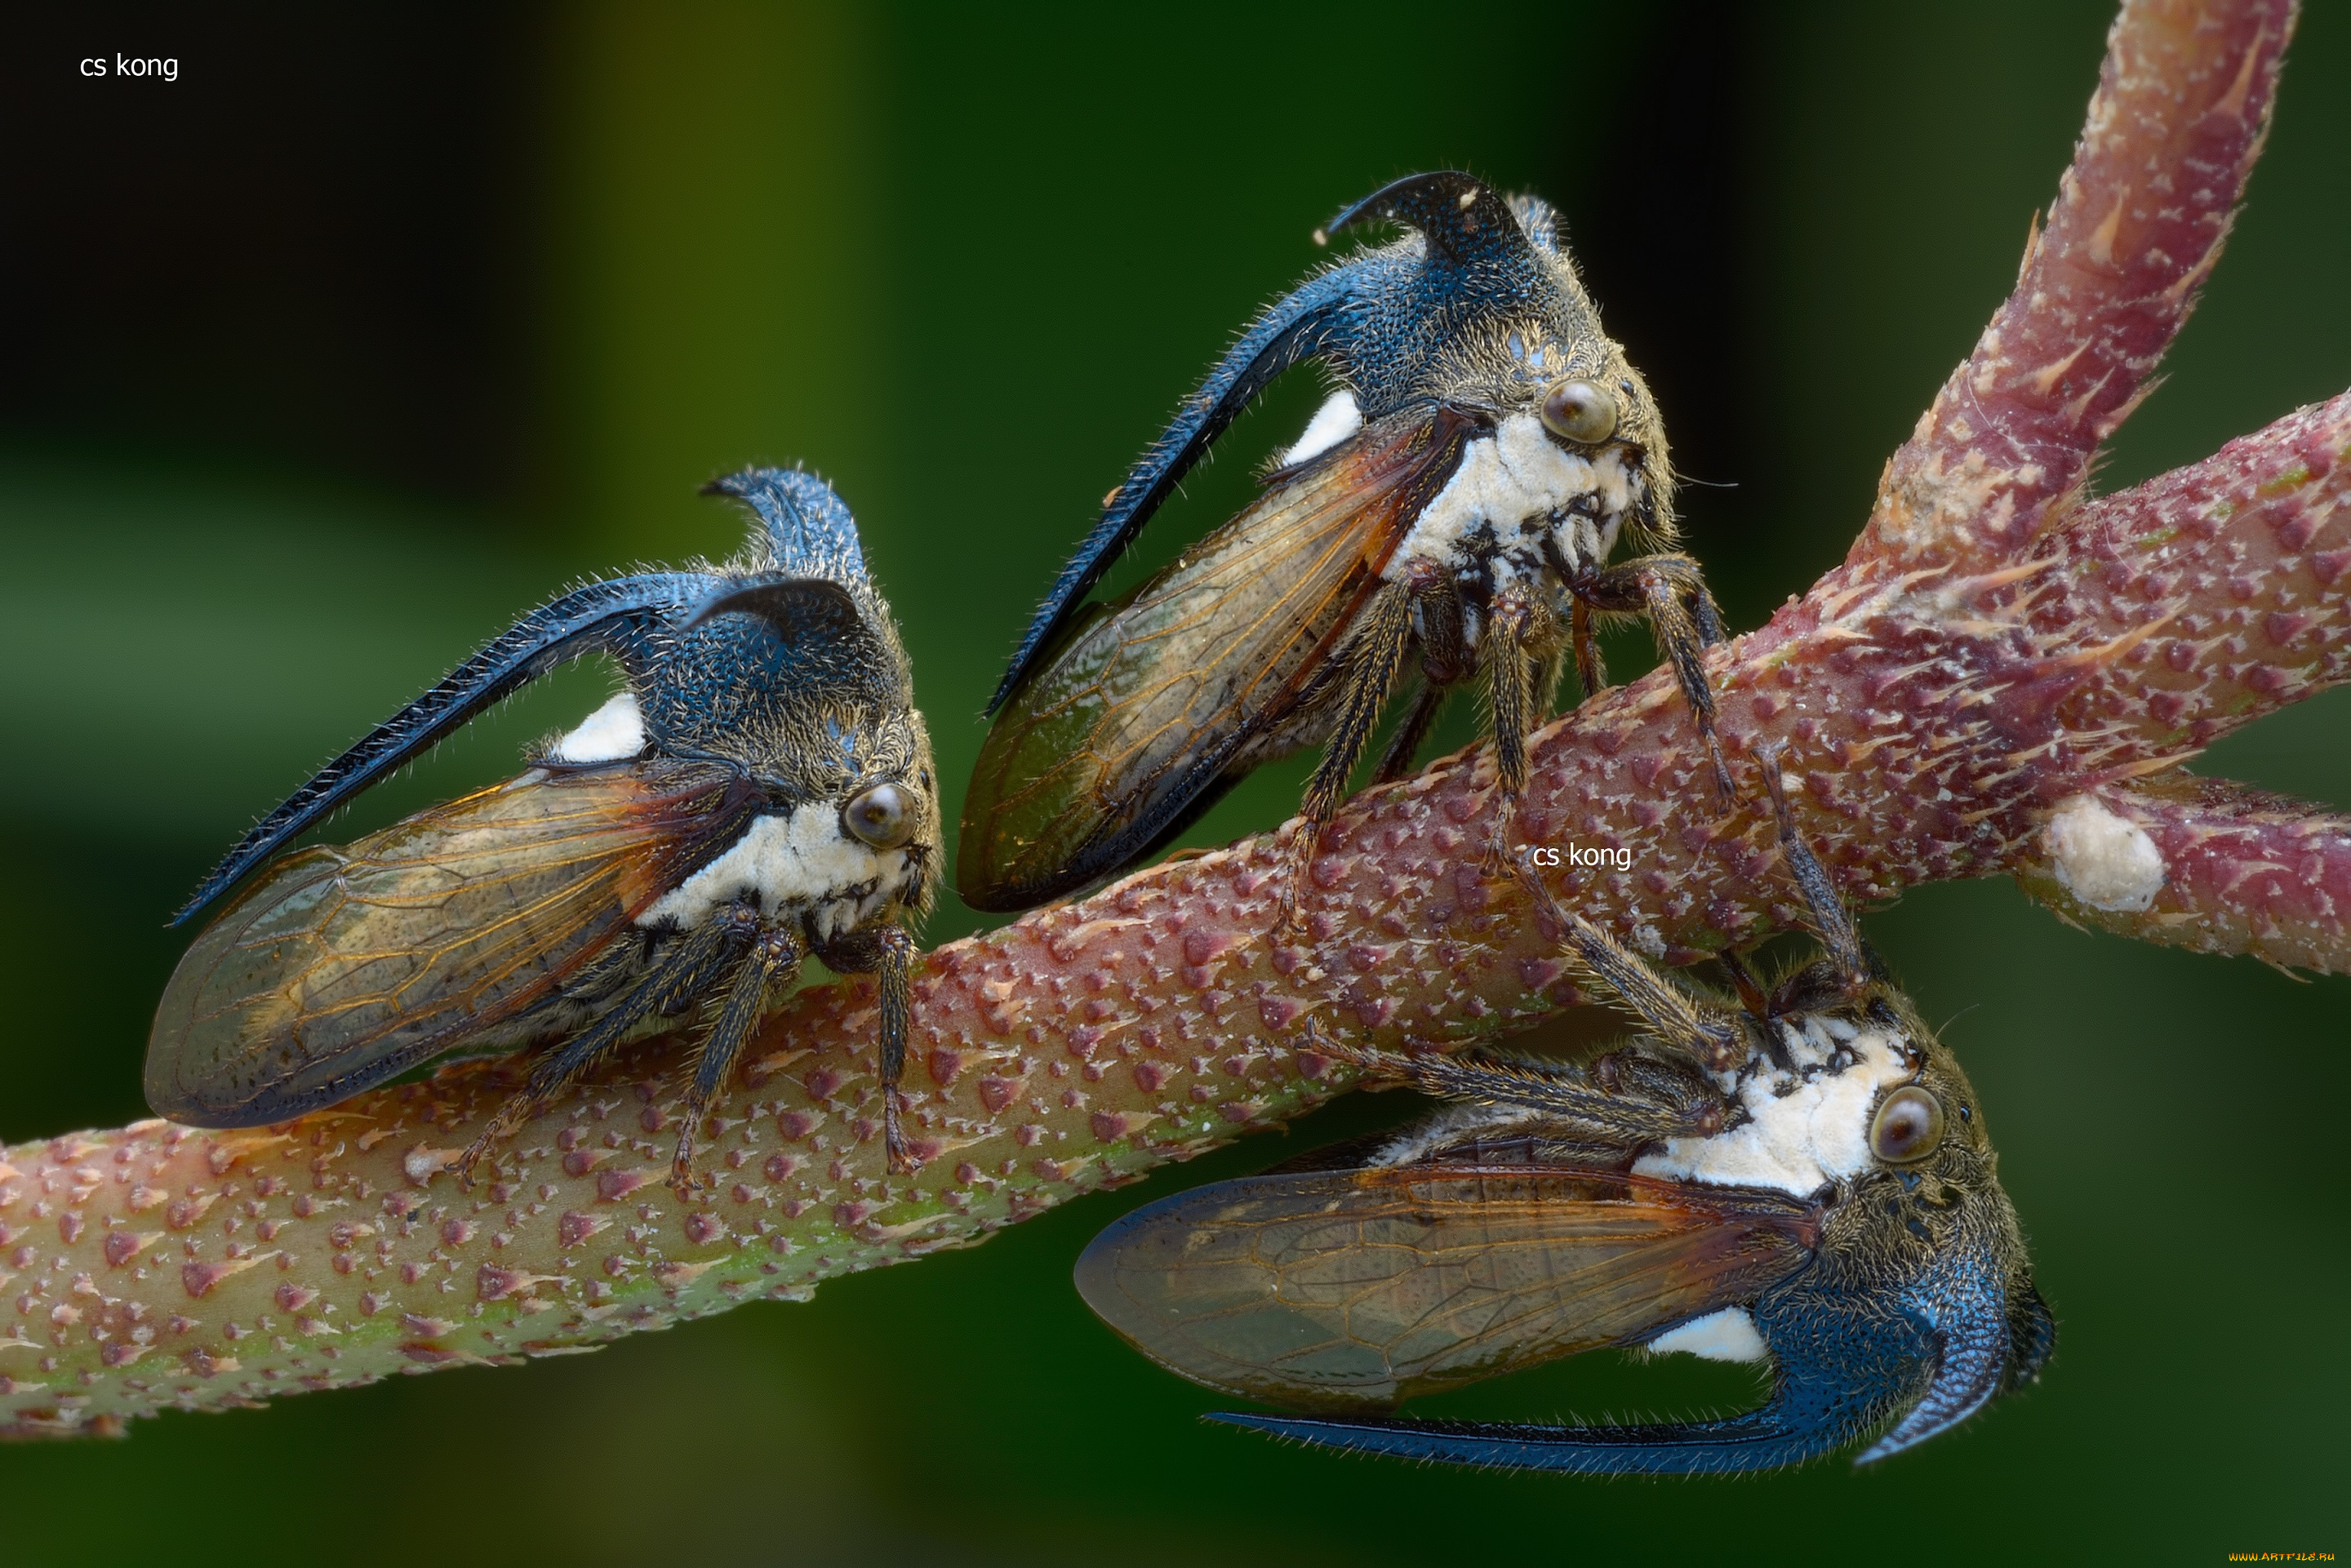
[
  {"x": 1149, "y": 702},
  {"x": 1343, "y": 1289},
  {"x": 338, "y": 968}
]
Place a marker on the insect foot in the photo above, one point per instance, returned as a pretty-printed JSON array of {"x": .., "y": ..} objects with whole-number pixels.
[
  {"x": 1447, "y": 516},
  {"x": 760, "y": 790},
  {"x": 1802, "y": 1179}
]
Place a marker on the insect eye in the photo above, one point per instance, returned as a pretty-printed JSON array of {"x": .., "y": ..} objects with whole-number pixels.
[
  {"x": 1581, "y": 412},
  {"x": 1909, "y": 1127},
  {"x": 883, "y": 816}
]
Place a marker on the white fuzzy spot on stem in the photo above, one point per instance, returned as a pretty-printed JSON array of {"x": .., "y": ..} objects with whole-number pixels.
[{"x": 2103, "y": 858}]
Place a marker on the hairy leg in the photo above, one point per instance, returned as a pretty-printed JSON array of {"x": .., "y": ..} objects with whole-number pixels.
[
  {"x": 1670, "y": 590},
  {"x": 888, "y": 954},
  {"x": 1368, "y": 674},
  {"x": 687, "y": 971},
  {"x": 773, "y": 952}
]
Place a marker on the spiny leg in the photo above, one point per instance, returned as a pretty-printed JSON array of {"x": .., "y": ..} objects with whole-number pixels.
[
  {"x": 1591, "y": 673},
  {"x": 887, "y": 953},
  {"x": 1713, "y": 1037},
  {"x": 1433, "y": 603},
  {"x": 775, "y": 952},
  {"x": 1682, "y": 615},
  {"x": 699, "y": 956},
  {"x": 1507, "y": 680},
  {"x": 1831, "y": 920},
  {"x": 1647, "y": 1105},
  {"x": 1370, "y": 665},
  {"x": 895, "y": 979}
]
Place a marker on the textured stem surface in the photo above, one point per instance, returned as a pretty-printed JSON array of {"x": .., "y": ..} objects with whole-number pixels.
[
  {"x": 2183, "y": 105},
  {"x": 2244, "y": 872}
]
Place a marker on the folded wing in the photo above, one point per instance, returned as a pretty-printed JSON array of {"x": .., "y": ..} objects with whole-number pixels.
[
  {"x": 338, "y": 968},
  {"x": 1150, "y": 703},
  {"x": 1347, "y": 1289}
]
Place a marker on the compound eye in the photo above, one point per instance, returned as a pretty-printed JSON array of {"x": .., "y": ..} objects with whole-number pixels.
[
  {"x": 883, "y": 816},
  {"x": 1581, "y": 412},
  {"x": 1909, "y": 1127}
]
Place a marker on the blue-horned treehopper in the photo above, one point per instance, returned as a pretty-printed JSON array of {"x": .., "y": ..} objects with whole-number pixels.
[
  {"x": 1802, "y": 1181},
  {"x": 1485, "y": 450},
  {"x": 760, "y": 790}
]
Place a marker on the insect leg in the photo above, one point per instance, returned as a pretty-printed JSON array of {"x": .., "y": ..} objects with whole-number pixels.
[
  {"x": 1713, "y": 1037},
  {"x": 1370, "y": 665},
  {"x": 1591, "y": 673},
  {"x": 1542, "y": 684},
  {"x": 1831, "y": 919},
  {"x": 1508, "y": 678},
  {"x": 1634, "y": 1107},
  {"x": 896, "y": 984},
  {"x": 887, "y": 953},
  {"x": 1683, "y": 615},
  {"x": 1446, "y": 660},
  {"x": 1752, "y": 995},
  {"x": 1404, "y": 747},
  {"x": 773, "y": 952},
  {"x": 698, "y": 958}
]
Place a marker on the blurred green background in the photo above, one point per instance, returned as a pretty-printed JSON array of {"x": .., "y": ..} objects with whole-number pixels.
[{"x": 379, "y": 325}]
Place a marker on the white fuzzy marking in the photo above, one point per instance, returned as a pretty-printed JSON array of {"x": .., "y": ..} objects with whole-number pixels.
[
  {"x": 1339, "y": 417},
  {"x": 1727, "y": 1335},
  {"x": 2104, "y": 858},
  {"x": 1513, "y": 477},
  {"x": 1805, "y": 1128},
  {"x": 802, "y": 863},
  {"x": 612, "y": 732}
]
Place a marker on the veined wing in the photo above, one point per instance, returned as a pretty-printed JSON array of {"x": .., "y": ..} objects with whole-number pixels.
[
  {"x": 338, "y": 968},
  {"x": 1364, "y": 1287},
  {"x": 1149, "y": 702}
]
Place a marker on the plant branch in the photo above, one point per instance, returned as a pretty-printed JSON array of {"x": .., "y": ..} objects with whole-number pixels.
[
  {"x": 2182, "y": 107},
  {"x": 1986, "y": 674}
]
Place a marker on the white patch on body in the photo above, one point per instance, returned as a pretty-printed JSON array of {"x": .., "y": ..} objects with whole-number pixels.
[
  {"x": 1515, "y": 477},
  {"x": 612, "y": 732},
  {"x": 1727, "y": 1335},
  {"x": 2101, "y": 858},
  {"x": 1805, "y": 1128},
  {"x": 804, "y": 862},
  {"x": 1339, "y": 417}
]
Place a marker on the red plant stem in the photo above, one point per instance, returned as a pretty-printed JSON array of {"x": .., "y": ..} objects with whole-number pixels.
[
  {"x": 2182, "y": 106},
  {"x": 2239, "y": 560},
  {"x": 2246, "y": 873}
]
